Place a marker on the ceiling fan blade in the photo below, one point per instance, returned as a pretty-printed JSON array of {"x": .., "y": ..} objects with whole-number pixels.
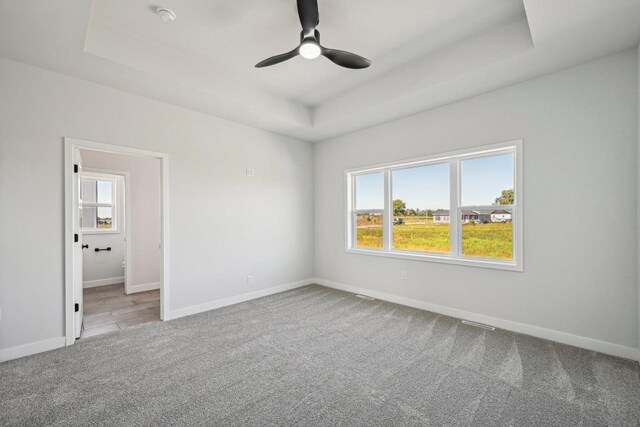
[
  {"x": 346, "y": 59},
  {"x": 278, "y": 59},
  {"x": 308, "y": 13}
]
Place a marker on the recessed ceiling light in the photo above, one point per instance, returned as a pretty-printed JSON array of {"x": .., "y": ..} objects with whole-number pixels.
[{"x": 167, "y": 15}]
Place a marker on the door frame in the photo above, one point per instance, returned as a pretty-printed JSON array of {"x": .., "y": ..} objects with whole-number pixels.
[{"x": 69, "y": 145}]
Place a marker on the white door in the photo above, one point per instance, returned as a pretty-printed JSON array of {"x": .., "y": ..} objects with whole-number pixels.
[{"x": 77, "y": 245}]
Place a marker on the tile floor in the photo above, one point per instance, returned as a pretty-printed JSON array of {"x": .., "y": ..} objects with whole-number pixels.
[{"x": 108, "y": 309}]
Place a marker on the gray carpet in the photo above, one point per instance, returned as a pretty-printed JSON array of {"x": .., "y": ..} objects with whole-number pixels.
[{"x": 316, "y": 356}]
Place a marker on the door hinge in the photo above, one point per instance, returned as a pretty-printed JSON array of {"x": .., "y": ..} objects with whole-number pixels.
[
  {"x": 75, "y": 168},
  {"x": 75, "y": 238},
  {"x": 76, "y": 307}
]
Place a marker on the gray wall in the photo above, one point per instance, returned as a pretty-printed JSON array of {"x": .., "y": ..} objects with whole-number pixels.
[
  {"x": 579, "y": 128},
  {"x": 223, "y": 225}
]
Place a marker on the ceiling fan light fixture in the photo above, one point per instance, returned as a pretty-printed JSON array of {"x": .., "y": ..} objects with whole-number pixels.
[
  {"x": 167, "y": 15},
  {"x": 310, "y": 47},
  {"x": 310, "y": 50}
]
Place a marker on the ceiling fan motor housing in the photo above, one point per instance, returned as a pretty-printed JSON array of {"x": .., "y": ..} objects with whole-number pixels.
[{"x": 310, "y": 36}]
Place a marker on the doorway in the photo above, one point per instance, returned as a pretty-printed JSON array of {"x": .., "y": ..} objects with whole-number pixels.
[{"x": 114, "y": 281}]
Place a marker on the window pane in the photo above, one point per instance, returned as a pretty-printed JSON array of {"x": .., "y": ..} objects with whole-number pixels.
[
  {"x": 487, "y": 180},
  {"x": 369, "y": 190},
  {"x": 487, "y": 232},
  {"x": 88, "y": 217},
  {"x": 88, "y": 191},
  {"x": 105, "y": 218},
  {"x": 105, "y": 192},
  {"x": 369, "y": 230},
  {"x": 421, "y": 208}
]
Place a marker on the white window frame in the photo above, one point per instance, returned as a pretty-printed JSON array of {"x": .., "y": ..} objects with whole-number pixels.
[
  {"x": 98, "y": 176},
  {"x": 455, "y": 255}
]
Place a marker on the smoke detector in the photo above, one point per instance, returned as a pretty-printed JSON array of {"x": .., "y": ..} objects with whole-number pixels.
[{"x": 167, "y": 15}]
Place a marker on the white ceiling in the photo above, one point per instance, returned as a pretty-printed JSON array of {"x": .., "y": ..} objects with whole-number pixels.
[
  {"x": 235, "y": 35},
  {"x": 425, "y": 52}
]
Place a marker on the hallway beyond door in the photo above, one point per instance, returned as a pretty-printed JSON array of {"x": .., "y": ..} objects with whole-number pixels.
[{"x": 109, "y": 309}]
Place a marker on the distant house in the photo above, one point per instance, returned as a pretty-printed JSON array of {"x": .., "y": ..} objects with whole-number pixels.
[
  {"x": 500, "y": 216},
  {"x": 468, "y": 216},
  {"x": 441, "y": 216},
  {"x": 444, "y": 216}
]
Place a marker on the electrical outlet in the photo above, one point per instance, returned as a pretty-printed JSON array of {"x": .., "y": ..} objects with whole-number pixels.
[
  {"x": 403, "y": 275},
  {"x": 251, "y": 172},
  {"x": 249, "y": 280}
]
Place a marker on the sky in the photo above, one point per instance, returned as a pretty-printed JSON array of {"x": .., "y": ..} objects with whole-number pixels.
[
  {"x": 424, "y": 187},
  {"x": 427, "y": 187},
  {"x": 483, "y": 179},
  {"x": 104, "y": 191},
  {"x": 370, "y": 191}
]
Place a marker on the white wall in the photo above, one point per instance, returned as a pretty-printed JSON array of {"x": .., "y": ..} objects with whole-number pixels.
[
  {"x": 105, "y": 267},
  {"x": 223, "y": 225},
  {"x": 580, "y": 159},
  {"x": 580, "y": 128},
  {"x": 638, "y": 173},
  {"x": 144, "y": 210}
]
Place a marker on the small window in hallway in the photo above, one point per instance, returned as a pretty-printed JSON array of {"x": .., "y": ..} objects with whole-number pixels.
[{"x": 98, "y": 195}]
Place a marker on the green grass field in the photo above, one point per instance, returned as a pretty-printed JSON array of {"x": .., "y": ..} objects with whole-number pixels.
[{"x": 482, "y": 240}]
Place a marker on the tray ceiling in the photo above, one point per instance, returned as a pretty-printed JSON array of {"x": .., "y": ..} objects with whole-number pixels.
[{"x": 425, "y": 52}]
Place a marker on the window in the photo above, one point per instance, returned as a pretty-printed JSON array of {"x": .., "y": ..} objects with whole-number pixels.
[
  {"x": 369, "y": 210},
  {"x": 463, "y": 208},
  {"x": 98, "y": 196},
  {"x": 419, "y": 193},
  {"x": 487, "y": 183}
]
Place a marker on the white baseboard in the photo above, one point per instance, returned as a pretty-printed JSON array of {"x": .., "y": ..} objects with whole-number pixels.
[
  {"x": 536, "y": 331},
  {"x": 32, "y": 348},
  {"x": 102, "y": 282},
  {"x": 195, "y": 309},
  {"x": 132, "y": 289}
]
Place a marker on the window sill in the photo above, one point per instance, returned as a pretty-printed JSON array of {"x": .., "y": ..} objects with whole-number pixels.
[{"x": 443, "y": 259}]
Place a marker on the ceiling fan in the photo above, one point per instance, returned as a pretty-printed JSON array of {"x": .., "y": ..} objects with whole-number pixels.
[{"x": 310, "y": 47}]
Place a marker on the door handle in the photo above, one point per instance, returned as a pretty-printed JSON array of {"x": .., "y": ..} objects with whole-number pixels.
[{"x": 85, "y": 246}]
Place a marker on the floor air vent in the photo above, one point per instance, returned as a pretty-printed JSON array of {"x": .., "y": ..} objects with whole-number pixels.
[
  {"x": 365, "y": 297},
  {"x": 478, "y": 325}
]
